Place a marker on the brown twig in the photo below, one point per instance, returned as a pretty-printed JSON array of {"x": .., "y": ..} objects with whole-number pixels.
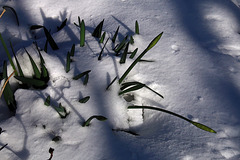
[{"x": 4, "y": 10}]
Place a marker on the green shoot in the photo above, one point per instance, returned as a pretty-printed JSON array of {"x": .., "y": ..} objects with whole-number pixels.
[
  {"x": 8, "y": 54},
  {"x": 124, "y": 54},
  {"x": 133, "y": 86},
  {"x": 36, "y": 71},
  {"x": 115, "y": 35},
  {"x": 121, "y": 45},
  {"x": 81, "y": 75},
  {"x": 84, "y": 100},
  {"x": 36, "y": 83},
  {"x": 199, "y": 125},
  {"x": 100, "y": 118},
  {"x": 85, "y": 81},
  {"x": 68, "y": 63},
  {"x": 98, "y": 30},
  {"x": 82, "y": 34},
  {"x": 100, "y": 55},
  {"x": 102, "y": 38},
  {"x": 152, "y": 43},
  {"x": 7, "y": 91},
  {"x": 131, "y": 41},
  {"x": 62, "y": 25},
  {"x": 111, "y": 83},
  {"x": 47, "y": 101},
  {"x": 4, "y": 85},
  {"x": 72, "y": 50},
  {"x": 136, "y": 27},
  {"x": 79, "y": 22},
  {"x": 133, "y": 53},
  {"x": 61, "y": 111},
  {"x": 50, "y": 39},
  {"x": 18, "y": 65},
  {"x": 14, "y": 12}
]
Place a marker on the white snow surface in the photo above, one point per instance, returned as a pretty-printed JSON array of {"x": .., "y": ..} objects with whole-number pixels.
[{"x": 196, "y": 68}]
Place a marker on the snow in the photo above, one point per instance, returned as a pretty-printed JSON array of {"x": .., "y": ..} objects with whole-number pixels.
[{"x": 196, "y": 68}]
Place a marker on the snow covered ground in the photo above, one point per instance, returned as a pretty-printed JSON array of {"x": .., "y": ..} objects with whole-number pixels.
[{"x": 196, "y": 68}]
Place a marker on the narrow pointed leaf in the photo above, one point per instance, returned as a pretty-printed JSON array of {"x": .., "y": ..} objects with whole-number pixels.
[
  {"x": 102, "y": 38},
  {"x": 18, "y": 65},
  {"x": 121, "y": 45},
  {"x": 47, "y": 101},
  {"x": 8, "y": 54},
  {"x": 72, "y": 50},
  {"x": 98, "y": 30},
  {"x": 100, "y": 55},
  {"x": 14, "y": 12},
  {"x": 115, "y": 35},
  {"x": 201, "y": 126},
  {"x": 31, "y": 81},
  {"x": 111, "y": 83},
  {"x": 84, "y": 100},
  {"x": 124, "y": 54},
  {"x": 62, "y": 25},
  {"x": 82, "y": 34},
  {"x": 33, "y": 27},
  {"x": 133, "y": 53},
  {"x": 136, "y": 27},
  {"x": 81, "y": 75},
  {"x": 153, "y": 43},
  {"x": 86, "y": 79},
  {"x": 100, "y": 118},
  {"x": 35, "y": 68},
  {"x": 50, "y": 39},
  {"x": 68, "y": 63}
]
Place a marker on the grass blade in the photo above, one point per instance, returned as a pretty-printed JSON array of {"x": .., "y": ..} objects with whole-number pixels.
[
  {"x": 81, "y": 75},
  {"x": 33, "y": 27},
  {"x": 37, "y": 83},
  {"x": 7, "y": 91},
  {"x": 82, "y": 34},
  {"x": 115, "y": 35},
  {"x": 153, "y": 43},
  {"x": 72, "y": 50},
  {"x": 47, "y": 101},
  {"x": 84, "y": 100},
  {"x": 121, "y": 45},
  {"x": 36, "y": 71},
  {"x": 111, "y": 83},
  {"x": 18, "y": 65},
  {"x": 133, "y": 53},
  {"x": 50, "y": 39},
  {"x": 131, "y": 41},
  {"x": 124, "y": 55},
  {"x": 98, "y": 30},
  {"x": 68, "y": 62},
  {"x": 86, "y": 79},
  {"x": 133, "y": 88},
  {"x": 61, "y": 111},
  {"x": 199, "y": 125},
  {"x": 100, "y": 118},
  {"x": 8, "y": 54},
  {"x": 14, "y": 12},
  {"x": 102, "y": 38},
  {"x": 62, "y": 25},
  {"x": 136, "y": 27},
  {"x": 100, "y": 55}
]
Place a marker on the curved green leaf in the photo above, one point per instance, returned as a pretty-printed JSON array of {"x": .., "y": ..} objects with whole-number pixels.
[
  {"x": 199, "y": 125},
  {"x": 100, "y": 118}
]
